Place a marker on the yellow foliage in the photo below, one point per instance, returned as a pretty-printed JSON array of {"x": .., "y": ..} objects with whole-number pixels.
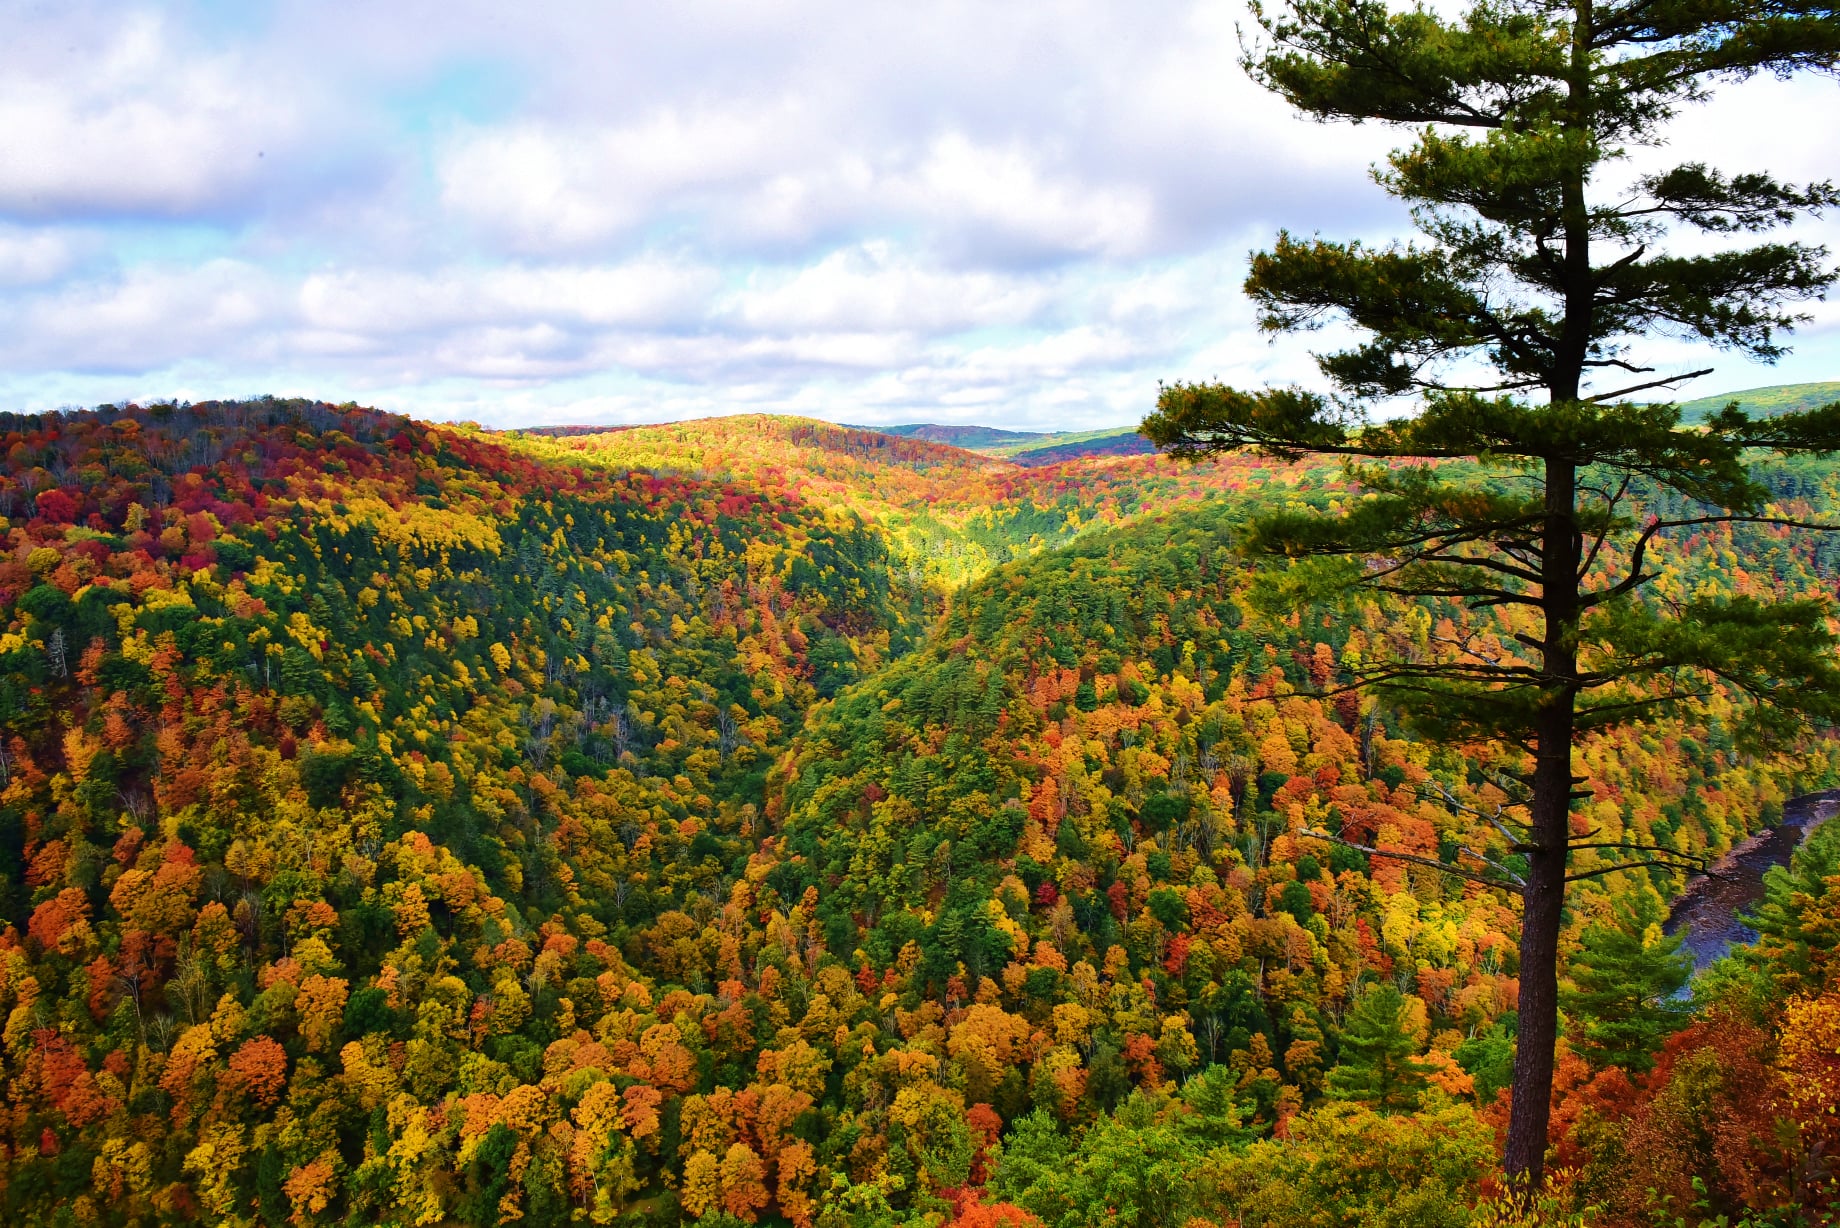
[
  {"x": 422, "y": 527},
  {"x": 702, "y": 1189}
]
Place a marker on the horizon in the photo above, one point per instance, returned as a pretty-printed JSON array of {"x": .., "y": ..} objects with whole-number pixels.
[{"x": 879, "y": 428}]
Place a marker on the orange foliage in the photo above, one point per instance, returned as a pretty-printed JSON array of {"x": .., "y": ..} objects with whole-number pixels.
[{"x": 258, "y": 1070}]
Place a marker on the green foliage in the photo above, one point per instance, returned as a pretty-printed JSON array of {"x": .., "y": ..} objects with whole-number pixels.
[
  {"x": 1344, "y": 1166},
  {"x": 1138, "y": 1167},
  {"x": 1796, "y": 918},
  {"x": 863, "y": 1204},
  {"x": 1625, "y": 976},
  {"x": 1488, "y": 1059},
  {"x": 1379, "y": 1066}
]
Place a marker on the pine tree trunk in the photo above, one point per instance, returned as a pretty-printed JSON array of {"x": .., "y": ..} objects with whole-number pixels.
[
  {"x": 1544, "y": 906},
  {"x": 1550, "y": 820}
]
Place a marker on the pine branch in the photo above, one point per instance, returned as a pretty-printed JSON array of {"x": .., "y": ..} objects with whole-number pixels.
[
  {"x": 1515, "y": 884},
  {"x": 1684, "y": 867},
  {"x": 1639, "y": 551},
  {"x": 1479, "y": 596},
  {"x": 1636, "y": 848},
  {"x": 1610, "y": 502}
]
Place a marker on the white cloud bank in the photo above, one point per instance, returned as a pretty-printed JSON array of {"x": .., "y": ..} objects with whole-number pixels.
[{"x": 1024, "y": 215}]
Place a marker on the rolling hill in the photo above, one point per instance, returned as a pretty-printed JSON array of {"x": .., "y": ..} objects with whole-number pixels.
[
  {"x": 1030, "y": 448},
  {"x": 973, "y": 438},
  {"x": 1776, "y": 399}
]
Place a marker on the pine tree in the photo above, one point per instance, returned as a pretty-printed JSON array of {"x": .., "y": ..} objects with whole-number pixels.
[
  {"x": 1798, "y": 919},
  {"x": 1380, "y": 1065},
  {"x": 1513, "y": 324},
  {"x": 1624, "y": 978}
]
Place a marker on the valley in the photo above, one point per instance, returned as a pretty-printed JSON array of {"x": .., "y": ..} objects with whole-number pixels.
[{"x": 758, "y": 820}]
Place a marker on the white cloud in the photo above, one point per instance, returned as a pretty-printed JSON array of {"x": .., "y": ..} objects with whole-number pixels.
[
  {"x": 747, "y": 174},
  {"x": 31, "y": 257},
  {"x": 546, "y": 188},
  {"x": 142, "y": 320},
  {"x": 1022, "y": 213},
  {"x": 126, "y": 120},
  {"x": 1005, "y": 193},
  {"x": 873, "y": 286},
  {"x": 384, "y": 303}
]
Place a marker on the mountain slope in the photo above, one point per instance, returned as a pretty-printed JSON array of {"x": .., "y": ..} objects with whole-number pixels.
[
  {"x": 1062, "y": 448},
  {"x": 1776, "y": 399},
  {"x": 1032, "y": 448},
  {"x": 949, "y": 514},
  {"x": 318, "y": 721},
  {"x": 1110, "y": 744},
  {"x": 975, "y": 438}
]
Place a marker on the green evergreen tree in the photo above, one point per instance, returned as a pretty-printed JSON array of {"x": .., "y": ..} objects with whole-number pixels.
[
  {"x": 1488, "y": 1059},
  {"x": 1380, "y": 1065},
  {"x": 1624, "y": 977},
  {"x": 1513, "y": 324},
  {"x": 1798, "y": 919}
]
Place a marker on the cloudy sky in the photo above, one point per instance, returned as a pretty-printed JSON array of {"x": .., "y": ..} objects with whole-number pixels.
[{"x": 1017, "y": 214}]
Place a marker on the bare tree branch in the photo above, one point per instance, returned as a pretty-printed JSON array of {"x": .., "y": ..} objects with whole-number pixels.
[
  {"x": 1640, "y": 865},
  {"x": 1516, "y": 842},
  {"x": 1654, "y": 383}
]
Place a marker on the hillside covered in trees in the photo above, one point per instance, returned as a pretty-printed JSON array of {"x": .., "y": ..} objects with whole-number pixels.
[{"x": 761, "y": 821}]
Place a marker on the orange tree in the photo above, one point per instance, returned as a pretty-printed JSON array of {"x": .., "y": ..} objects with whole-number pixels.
[{"x": 1514, "y": 323}]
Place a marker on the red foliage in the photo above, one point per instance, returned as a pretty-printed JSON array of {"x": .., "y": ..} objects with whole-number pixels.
[
  {"x": 986, "y": 1126},
  {"x": 102, "y": 987},
  {"x": 1712, "y": 1111},
  {"x": 57, "y": 916},
  {"x": 58, "y": 506},
  {"x": 1177, "y": 959},
  {"x": 66, "y": 1080}
]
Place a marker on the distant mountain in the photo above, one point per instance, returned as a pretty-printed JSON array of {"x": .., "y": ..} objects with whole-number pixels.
[
  {"x": 567, "y": 432},
  {"x": 1029, "y": 448},
  {"x": 1054, "y": 449},
  {"x": 974, "y": 438},
  {"x": 1770, "y": 401}
]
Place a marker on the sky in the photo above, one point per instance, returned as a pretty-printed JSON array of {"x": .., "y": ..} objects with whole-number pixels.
[{"x": 1022, "y": 215}]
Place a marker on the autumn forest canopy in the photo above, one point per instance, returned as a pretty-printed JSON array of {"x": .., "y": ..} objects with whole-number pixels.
[{"x": 760, "y": 821}]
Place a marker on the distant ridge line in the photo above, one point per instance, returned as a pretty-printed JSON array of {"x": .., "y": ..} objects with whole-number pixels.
[{"x": 1769, "y": 401}]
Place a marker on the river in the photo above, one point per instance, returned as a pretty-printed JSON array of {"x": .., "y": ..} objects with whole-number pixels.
[{"x": 1708, "y": 909}]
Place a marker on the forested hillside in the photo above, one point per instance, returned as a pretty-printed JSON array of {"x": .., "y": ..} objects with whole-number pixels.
[
  {"x": 1030, "y": 448},
  {"x": 1777, "y": 399},
  {"x": 948, "y": 514},
  {"x": 762, "y": 821}
]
